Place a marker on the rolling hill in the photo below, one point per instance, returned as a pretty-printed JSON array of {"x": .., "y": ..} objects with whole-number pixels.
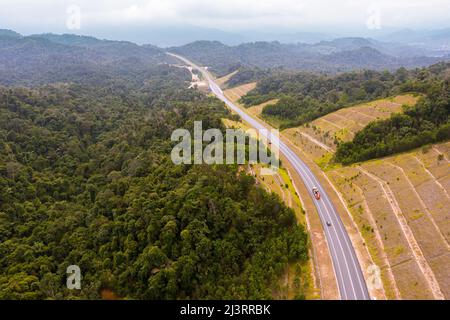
[
  {"x": 49, "y": 58},
  {"x": 327, "y": 56}
]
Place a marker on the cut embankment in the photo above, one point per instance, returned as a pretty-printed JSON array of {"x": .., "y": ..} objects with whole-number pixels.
[
  {"x": 400, "y": 204},
  {"x": 321, "y": 136}
]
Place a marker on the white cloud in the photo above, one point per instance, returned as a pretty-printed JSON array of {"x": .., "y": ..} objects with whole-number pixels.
[{"x": 225, "y": 14}]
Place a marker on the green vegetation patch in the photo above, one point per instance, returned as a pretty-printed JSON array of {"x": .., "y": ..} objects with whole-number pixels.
[{"x": 86, "y": 179}]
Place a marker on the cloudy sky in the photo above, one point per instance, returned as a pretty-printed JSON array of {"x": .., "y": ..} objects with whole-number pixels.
[{"x": 83, "y": 16}]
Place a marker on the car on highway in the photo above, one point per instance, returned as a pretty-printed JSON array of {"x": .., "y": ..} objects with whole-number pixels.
[
  {"x": 329, "y": 223},
  {"x": 316, "y": 193}
]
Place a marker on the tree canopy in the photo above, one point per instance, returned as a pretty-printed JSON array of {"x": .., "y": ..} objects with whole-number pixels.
[{"x": 86, "y": 179}]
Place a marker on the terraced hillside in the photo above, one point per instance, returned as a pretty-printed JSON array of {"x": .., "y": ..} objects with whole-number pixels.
[
  {"x": 401, "y": 206},
  {"x": 319, "y": 137}
]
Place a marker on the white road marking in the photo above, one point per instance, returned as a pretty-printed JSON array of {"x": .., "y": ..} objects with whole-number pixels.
[{"x": 310, "y": 180}]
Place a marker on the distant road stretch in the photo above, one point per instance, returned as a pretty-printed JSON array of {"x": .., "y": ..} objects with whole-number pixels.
[{"x": 347, "y": 269}]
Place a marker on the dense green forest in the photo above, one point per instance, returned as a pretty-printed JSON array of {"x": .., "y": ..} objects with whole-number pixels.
[
  {"x": 86, "y": 179},
  {"x": 48, "y": 58}
]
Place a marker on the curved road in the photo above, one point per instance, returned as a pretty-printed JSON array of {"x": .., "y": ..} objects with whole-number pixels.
[{"x": 347, "y": 269}]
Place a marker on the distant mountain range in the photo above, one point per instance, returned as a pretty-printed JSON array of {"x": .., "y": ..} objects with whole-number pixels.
[
  {"x": 434, "y": 40},
  {"x": 343, "y": 54},
  {"x": 45, "y": 58},
  {"x": 182, "y": 34}
]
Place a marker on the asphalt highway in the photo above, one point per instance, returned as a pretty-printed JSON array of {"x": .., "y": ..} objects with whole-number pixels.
[{"x": 347, "y": 269}]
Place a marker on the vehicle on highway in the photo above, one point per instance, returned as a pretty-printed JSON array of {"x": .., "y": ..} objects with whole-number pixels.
[
  {"x": 329, "y": 223},
  {"x": 316, "y": 193}
]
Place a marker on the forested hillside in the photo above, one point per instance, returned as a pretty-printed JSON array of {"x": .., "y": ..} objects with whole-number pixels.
[
  {"x": 41, "y": 59},
  {"x": 86, "y": 179}
]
